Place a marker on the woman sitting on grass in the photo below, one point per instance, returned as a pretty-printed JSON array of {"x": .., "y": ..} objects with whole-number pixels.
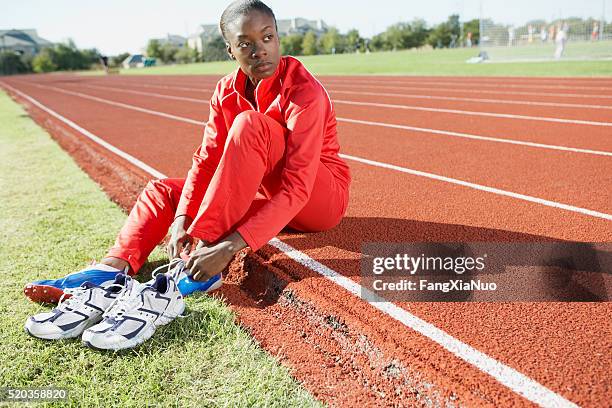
[{"x": 269, "y": 159}]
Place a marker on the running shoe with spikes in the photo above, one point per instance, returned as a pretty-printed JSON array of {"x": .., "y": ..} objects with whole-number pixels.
[
  {"x": 78, "y": 309},
  {"x": 51, "y": 290},
  {"x": 136, "y": 313}
]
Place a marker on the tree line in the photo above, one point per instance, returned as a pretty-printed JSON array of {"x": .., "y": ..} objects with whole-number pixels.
[
  {"x": 399, "y": 36},
  {"x": 403, "y": 35},
  {"x": 61, "y": 57}
]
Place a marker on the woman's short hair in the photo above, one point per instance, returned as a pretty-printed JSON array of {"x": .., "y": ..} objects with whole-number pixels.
[{"x": 240, "y": 8}]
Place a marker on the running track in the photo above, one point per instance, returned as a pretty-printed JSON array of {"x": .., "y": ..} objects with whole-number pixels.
[{"x": 433, "y": 159}]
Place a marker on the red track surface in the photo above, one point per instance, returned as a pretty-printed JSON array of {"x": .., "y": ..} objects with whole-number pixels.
[{"x": 344, "y": 350}]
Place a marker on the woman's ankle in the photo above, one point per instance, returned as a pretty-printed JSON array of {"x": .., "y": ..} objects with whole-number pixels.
[{"x": 118, "y": 263}]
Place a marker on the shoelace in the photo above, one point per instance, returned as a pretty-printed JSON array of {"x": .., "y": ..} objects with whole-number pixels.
[
  {"x": 124, "y": 300},
  {"x": 76, "y": 297},
  {"x": 174, "y": 268},
  {"x": 128, "y": 298}
]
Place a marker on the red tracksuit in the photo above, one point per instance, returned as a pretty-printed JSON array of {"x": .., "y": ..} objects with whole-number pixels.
[{"x": 259, "y": 168}]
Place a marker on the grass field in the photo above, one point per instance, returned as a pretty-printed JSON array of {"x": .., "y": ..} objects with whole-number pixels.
[
  {"x": 54, "y": 218},
  {"x": 410, "y": 62}
]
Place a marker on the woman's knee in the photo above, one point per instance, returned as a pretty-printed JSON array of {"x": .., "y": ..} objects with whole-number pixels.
[{"x": 165, "y": 189}]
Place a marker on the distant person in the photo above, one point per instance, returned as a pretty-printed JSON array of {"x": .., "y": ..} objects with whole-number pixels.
[
  {"x": 104, "y": 62},
  {"x": 560, "y": 41},
  {"x": 595, "y": 32},
  {"x": 551, "y": 32},
  {"x": 468, "y": 40},
  {"x": 510, "y": 36},
  {"x": 269, "y": 159},
  {"x": 543, "y": 34},
  {"x": 530, "y": 34}
]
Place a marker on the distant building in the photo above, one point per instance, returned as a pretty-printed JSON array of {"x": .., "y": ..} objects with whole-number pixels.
[
  {"x": 203, "y": 34},
  {"x": 24, "y": 42},
  {"x": 173, "y": 39},
  {"x": 207, "y": 32},
  {"x": 133, "y": 61},
  {"x": 137, "y": 61},
  {"x": 300, "y": 25}
]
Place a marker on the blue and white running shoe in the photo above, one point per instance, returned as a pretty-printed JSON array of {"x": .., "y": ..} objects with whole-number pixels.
[
  {"x": 75, "y": 313},
  {"x": 136, "y": 313},
  {"x": 51, "y": 290}
]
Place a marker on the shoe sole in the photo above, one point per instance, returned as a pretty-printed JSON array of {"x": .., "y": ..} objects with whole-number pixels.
[
  {"x": 129, "y": 344},
  {"x": 43, "y": 293},
  {"x": 147, "y": 333},
  {"x": 70, "y": 334}
]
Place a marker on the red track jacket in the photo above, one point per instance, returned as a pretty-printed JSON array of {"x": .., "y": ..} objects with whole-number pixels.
[{"x": 298, "y": 101}]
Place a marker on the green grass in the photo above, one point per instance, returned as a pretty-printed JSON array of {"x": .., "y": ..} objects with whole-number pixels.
[
  {"x": 54, "y": 219},
  {"x": 409, "y": 62}
]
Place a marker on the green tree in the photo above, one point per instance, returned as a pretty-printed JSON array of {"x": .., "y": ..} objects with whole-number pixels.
[
  {"x": 354, "y": 42},
  {"x": 473, "y": 26},
  {"x": 214, "y": 50},
  {"x": 442, "y": 35},
  {"x": 401, "y": 36},
  {"x": 186, "y": 55},
  {"x": 419, "y": 33},
  {"x": 292, "y": 44},
  {"x": 118, "y": 59},
  {"x": 168, "y": 53},
  {"x": 309, "y": 44},
  {"x": 66, "y": 56},
  {"x": 43, "y": 62},
  {"x": 154, "y": 49},
  {"x": 379, "y": 42},
  {"x": 332, "y": 42},
  {"x": 12, "y": 63}
]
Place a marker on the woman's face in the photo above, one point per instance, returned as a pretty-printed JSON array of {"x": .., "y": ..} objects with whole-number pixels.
[{"x": 253, "y": 42}]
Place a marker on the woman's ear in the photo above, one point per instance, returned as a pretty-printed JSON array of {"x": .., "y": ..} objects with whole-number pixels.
[{"x": 228, "y": 48}]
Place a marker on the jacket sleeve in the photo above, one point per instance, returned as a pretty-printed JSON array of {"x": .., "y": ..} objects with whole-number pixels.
[
  {"x": 205, "y": 160},
  {"x": 305, "y": 117}
]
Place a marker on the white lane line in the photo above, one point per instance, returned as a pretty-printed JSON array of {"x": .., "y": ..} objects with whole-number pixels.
[
  {"x": 172, "y": 87},
  {"x": 476, "y": 137},
  {"x": 476, "y": 91},
  {"x": 514, "y": 380},
  {"x": 480, "y": 187},
  {"x": 511, "y": 378},
  {"x": 122, "y": 105},
  {"x": 176, "y": 98},
  {"x": 476, "y": 113},
  {"x": 499, "y": 85},
  {"x": 478, "y": 100},
  {"x": 417, "y": 129},
  {"x": 88, "y": 134},
  {"x": 381, "y": 94},
  {"x": 464, "y": 112}
]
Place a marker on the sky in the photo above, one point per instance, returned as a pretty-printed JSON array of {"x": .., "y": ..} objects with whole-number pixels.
[{"x": 115, "y": 26}]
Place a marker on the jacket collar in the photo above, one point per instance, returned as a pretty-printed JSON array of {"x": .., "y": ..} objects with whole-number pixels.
[{"x": 266, "y": 89}]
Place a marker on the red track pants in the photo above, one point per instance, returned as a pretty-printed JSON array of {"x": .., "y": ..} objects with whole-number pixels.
[{"x": 154, "y": 211}]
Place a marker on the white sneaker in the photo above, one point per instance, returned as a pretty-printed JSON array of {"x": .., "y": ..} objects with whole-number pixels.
[
  {"x": 83, "y": 308},
  {"x": 136, "y": 314}
]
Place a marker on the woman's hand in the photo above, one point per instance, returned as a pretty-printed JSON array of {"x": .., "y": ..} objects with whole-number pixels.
[
  {"x": 208, "y": 261},
  {"x": 179, "y": 239}
]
